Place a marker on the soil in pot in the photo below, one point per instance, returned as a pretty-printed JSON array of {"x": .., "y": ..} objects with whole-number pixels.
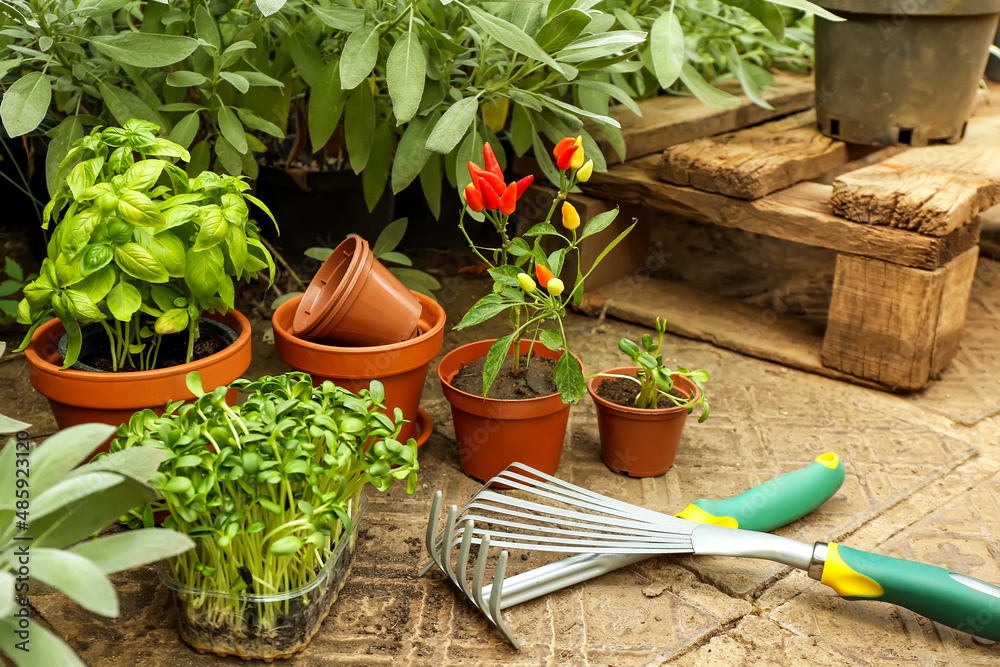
[
  {"x": 622, "y": 392},
  {"x": 534, "y": 382},
  {"x": 173, "y": 349}
]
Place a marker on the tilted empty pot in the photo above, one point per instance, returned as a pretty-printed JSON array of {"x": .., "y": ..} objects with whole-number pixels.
[{"x": 354, "y": 300}]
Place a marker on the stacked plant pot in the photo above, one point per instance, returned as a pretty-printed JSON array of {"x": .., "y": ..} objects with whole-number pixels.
[{"x": 356, "y": 323}]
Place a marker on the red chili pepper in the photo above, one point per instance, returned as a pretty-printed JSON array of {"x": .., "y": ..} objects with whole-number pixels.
[
  {"x": 491, "y": 200},
  {"x": 473, "y": 198},
  {"x": 523, "y": 184},
  {"x": 543, "y": 275},
  {"x": 561, "y": 147},
  {"x": 565, "y": 158},
  {"x": 509, "y": 199},
  {"x": 492, "y": 180},
  {"x": 490, "y": 161}
]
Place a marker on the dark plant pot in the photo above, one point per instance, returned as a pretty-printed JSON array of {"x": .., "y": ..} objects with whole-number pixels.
[
  {"x": 79, "y": 397},
  {"x": 637, "y": 442},
  {"x": 900, "y": 74},
  {"x": 333, "y": 207},
  {"x": 94, "y": 335},
  {"x": 400, "y": 367},
  {"x": 492, "y": 433},
  {"x": 354, "y": 300}
]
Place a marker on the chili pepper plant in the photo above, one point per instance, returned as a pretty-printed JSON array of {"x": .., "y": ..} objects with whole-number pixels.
[
  {"x": 267, "y": 489},
  {"x": 535, "y": 305},
  {"x": 656, "y": 380},
  {"x": 140, "y": 247}
]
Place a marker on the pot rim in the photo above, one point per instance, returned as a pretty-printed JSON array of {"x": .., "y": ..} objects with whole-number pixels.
[
  {"x": 422, "y": 336},
  {"x": 35, "y": 359},
  {"x": 501, "y": 401},
  {"x": 630, "y": 410}
]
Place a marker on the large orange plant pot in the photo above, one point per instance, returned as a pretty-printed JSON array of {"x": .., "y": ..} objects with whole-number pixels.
[
  {"x": 400, "y": 367},
  {"x": 493, "y": 433},
  {"x": 78, "y": 397},
  {"x": 637, "y": 442}
]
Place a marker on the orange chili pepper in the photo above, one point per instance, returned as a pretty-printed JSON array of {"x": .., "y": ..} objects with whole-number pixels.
[
  {"x": 543, "y": 275},
  {"x": 508, "y": 200}
]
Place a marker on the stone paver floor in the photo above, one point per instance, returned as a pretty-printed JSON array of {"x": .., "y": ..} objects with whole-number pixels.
[{"x": 919, "y": 485}]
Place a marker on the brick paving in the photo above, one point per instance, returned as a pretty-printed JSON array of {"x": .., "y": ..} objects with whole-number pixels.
[{"x": 921, "y": 483}]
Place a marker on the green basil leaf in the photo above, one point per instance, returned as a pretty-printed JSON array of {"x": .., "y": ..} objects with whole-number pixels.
[
  {"x": 139, "y": 263},
  {"x": 124, "y": 300},
  {"x": 232, "y": 129}
]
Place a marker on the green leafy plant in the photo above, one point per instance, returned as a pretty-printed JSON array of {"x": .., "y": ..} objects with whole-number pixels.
[
  {"x": 656, "y": 380},
  {"x": 515, "y": 292},
  {"x": 140, "y": 247},
  {"x": 49, "y": 509},
  {"x": 267, "y": 488},
  {"x": 9, "y": 286},
  {"x": 385, "y": 251}
]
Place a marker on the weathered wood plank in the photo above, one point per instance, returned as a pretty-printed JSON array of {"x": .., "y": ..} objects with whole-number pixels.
[
  {"x": 896, "y": 325},
  {"x": 670, "y": 119},
  {"x": 755, "y": 161},
  {"x": 722, "y": 321},
  {"x": 800, "y": 213},
  {"x": 932, "y": 190}
]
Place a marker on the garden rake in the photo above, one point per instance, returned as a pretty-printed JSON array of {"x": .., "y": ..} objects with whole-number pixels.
[
  {"x": 557, "y": 516},
  {"x": 765, "y": 507}
]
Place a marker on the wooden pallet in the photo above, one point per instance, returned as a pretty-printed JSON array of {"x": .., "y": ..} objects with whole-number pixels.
[{"x": 906, "y": 258}]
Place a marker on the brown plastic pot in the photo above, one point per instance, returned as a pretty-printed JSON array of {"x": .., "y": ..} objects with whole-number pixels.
[
  {"x": 401, "y": 367},
  {"x": 493, "y": 433},
  {"x": 354, "y": 300},
  {"x": 637, "y": 442},
  {"x": 78, "y": 397}
]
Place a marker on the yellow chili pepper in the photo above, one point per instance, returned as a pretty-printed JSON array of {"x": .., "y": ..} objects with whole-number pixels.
[
  {"x": 526, "y": 283},
  {"x": 584, "y": 172},
  {"x": 555, "y": 287},
  {"x": 576, "y": 161},
  {"x": 570, "y": 217}
]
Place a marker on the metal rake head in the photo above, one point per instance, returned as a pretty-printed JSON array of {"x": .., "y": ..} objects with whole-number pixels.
[{"x": 544, "y": 513}]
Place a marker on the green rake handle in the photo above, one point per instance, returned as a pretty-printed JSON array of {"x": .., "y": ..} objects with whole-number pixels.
[
  {"x": 776, "y": 502},
  {"x": 956, "y": 600}
]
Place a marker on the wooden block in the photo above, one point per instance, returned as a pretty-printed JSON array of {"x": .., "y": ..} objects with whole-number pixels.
[
  {"x": 631, "y": 254},
  {"x": 755, "y": 161},
  {"x": 895, "y": 325},
  {"x": 765, "y": 333},
  {"x": 800, "y": 213},
  {"x": 672, "y": 119},
  {"x": 932, "y": 190}
]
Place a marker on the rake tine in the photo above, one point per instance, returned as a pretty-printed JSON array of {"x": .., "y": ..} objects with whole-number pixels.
[
  {"x": 463, "y": 558},
  {"x": 495, "y": 595},
  {"x": 431, "y": 539},
  {"x": 477, "y": 577},
  {"x": 449, "y": 530}
]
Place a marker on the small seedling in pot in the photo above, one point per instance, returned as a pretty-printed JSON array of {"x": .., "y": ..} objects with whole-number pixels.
[{"x": 656, "y": 380}]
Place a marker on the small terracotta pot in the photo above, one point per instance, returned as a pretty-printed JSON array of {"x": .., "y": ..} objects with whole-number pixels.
[
  {"x": 78, "y": 397},
  {"x": 354, "y": 300},
  {"x": 493, "y": 433},
  {"x": 401, "y": 367},
  {"x": 635, "y": 442}
]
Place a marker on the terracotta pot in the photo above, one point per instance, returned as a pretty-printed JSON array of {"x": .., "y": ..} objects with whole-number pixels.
[
  {"x": 401, "y": 367},
  {"x": 493, "y": 433},
  {"x": 354, "y": 300},
  {"x": 78, "y": 397},
  {"x": 636, "y": 442}
]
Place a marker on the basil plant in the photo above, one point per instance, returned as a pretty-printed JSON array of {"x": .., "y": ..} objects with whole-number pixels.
[{"x": 139, "y": 247}]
